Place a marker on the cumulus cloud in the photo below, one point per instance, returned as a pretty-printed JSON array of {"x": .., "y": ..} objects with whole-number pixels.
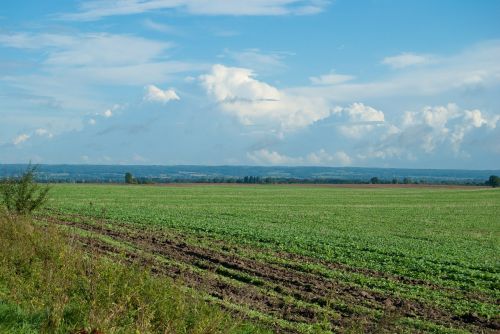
[
  {"x": 321, "y": 157},
  {"x": 155, "y": 94},
  {"x": 358, "y": 112},
  {"x": 265, "y": 156},
  {"x": 406, "y": 59},
  {"x": 437, "y": 126},
  {"x": 476, "y": 119},
  {"x": 357, "y": 119},
  {"x": 361, "y": 119},
  {"x": 255, "y": 102},
  {"x": 97, "y": 9},
  {"x": 432, "y": 131}
]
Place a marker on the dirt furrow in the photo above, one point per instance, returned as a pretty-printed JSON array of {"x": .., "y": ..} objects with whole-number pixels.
[
  {"x": 287, "y": 282},
  {"x": 301, "y": 259}
]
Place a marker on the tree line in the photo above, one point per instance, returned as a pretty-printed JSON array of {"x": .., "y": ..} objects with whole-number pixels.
[{"x": 493, "y": 181}]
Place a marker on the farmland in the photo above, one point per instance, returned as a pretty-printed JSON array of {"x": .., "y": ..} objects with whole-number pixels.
[{"x": 307, "y": 259}]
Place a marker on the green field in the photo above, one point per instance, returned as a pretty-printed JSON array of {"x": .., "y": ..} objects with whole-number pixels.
[{"x": 308, "y": 259}]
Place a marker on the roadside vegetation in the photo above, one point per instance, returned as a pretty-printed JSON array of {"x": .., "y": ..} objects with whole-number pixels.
[
  {"x": 49, "y": 285},
  {"x": 52, "y": 282}
]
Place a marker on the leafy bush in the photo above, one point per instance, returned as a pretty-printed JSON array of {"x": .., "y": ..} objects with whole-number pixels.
[
  {"x": 23, "y": 195},
  {"x": 494, "y": 181}
]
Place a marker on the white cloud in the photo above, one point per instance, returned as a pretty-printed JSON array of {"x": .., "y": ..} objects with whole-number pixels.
[
  {"x": 331, "y": 79},
  {"x": 476, "y": 67},
  {"x": 434, "y": 117},
  {"x": 257, "y": 103},
  {"x": 97, "y": 58},
  {"x": 21, "y": 139},
  {"x": 406, "y": 59},
  {"x": 160, "y": 27},
  {"x": 104, "y": 50},
  {"x": 477, "y": 119},
  {"x": 90, "y": 49},
  {"x": 108, "y": 113},
  {"x": 76, "y": 72},
  {"x": 92, "y": 121},
  {"x": 432, "y": 131},
  {"x": 357, "y": 120},
  {"x": 435, "y": 126},
  {"x": 385, "y": 153},
  {"x": 96, "y": 9},
  {"x": 24, "y": 40},
  {"x": 265, "y": 156},
  {"x": 321, "y": 157},
  {"x": 41, "y": 132},
  {"x": 155, "y": 94},
  {"x": 358, "y": 112}
]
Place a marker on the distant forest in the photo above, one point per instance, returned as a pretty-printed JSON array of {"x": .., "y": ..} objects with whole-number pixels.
[{"x": 248, "y": 174}]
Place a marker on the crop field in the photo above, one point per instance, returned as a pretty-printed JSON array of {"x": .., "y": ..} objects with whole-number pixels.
[{"x": 307, "y": 259}]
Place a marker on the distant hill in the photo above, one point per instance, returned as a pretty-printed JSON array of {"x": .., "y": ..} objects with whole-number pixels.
[{"x": 115, "y": 173}]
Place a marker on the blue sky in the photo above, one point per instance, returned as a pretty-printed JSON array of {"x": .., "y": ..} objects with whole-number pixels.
[{"x": 260, "y": 82}]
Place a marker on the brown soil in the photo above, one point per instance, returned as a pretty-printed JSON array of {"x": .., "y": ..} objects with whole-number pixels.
[{"x": 282, "y": 292}]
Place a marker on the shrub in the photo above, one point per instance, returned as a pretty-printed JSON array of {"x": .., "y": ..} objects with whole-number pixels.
[
  {"x": 23, "y": 195},
  {"x": 494, "y": 181}
]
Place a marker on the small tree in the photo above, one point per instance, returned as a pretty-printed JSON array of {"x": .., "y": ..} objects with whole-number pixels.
[
  {"x": 374, "y": 180},
  {"x": 494, "y": 181},
  {"x": 407, "y": 180},
  {"x": 23, "y": 195},
  {"x": 129, "y": 178}
]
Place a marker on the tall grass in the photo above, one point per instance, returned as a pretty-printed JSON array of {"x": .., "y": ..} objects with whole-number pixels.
[{"x": 49, "y": 285}]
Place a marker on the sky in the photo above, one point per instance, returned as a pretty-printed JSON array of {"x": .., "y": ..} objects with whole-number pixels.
[{"x": 368, "y": 83}]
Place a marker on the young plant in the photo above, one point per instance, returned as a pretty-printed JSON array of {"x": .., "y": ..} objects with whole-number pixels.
[{"x": 22, "y": 195}]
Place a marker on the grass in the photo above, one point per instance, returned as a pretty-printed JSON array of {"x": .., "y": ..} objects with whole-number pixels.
[
  {"x": 48, "y": 284},
  {"x": 433, "y": 253}
]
